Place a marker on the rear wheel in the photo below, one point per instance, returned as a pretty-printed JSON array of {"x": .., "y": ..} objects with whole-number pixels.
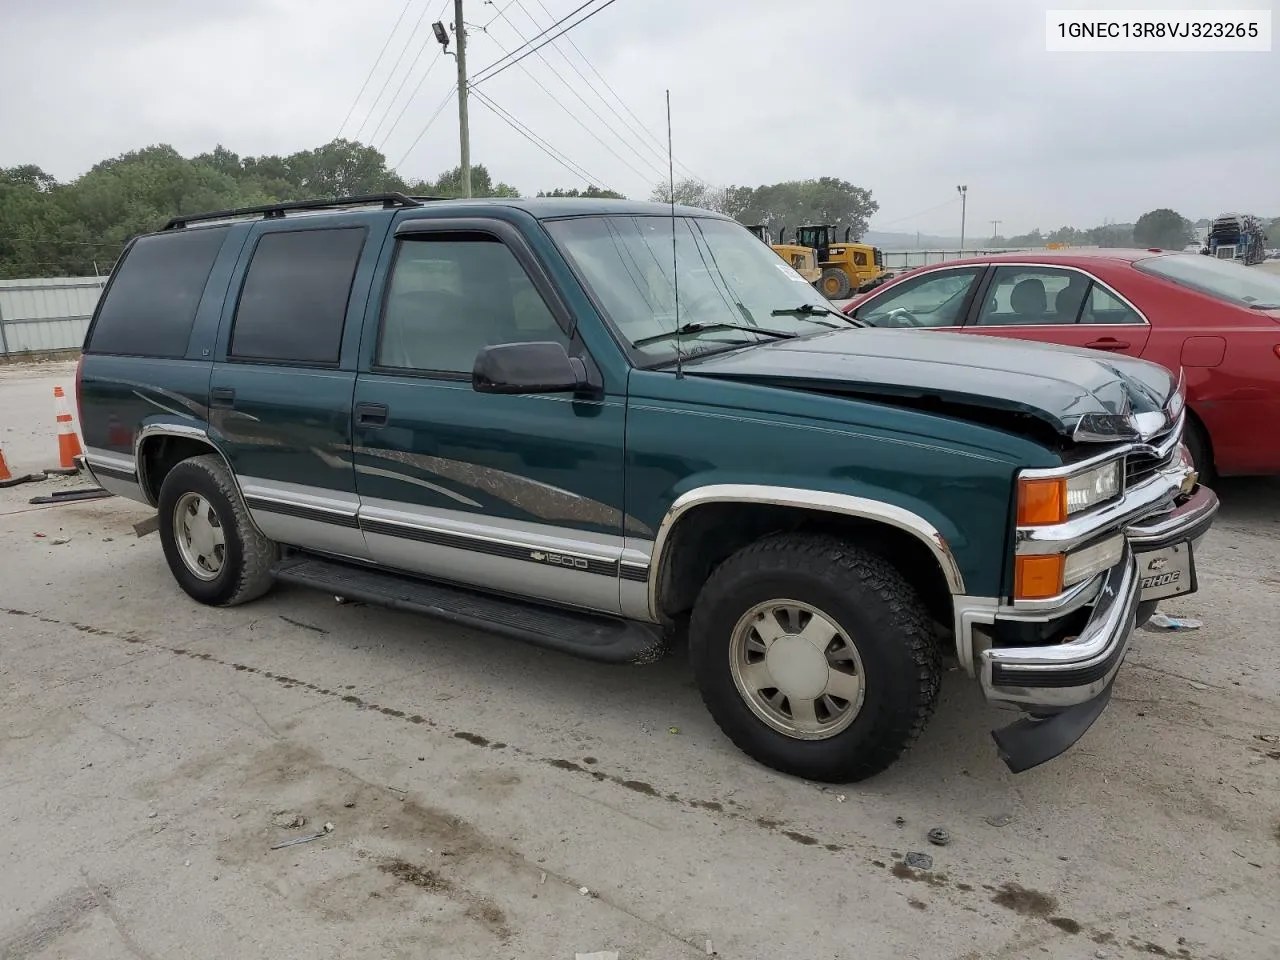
[
  {"x": 834, "y": 283},
  {"x": 815, "y": 657},
  {"x": 213, "y": 549}
]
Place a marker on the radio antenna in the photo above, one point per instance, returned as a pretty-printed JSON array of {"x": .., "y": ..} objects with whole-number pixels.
[{"x": 675, "y": 267}]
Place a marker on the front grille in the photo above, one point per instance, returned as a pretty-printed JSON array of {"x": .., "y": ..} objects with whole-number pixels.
[{"x": 1140, "y": 466}]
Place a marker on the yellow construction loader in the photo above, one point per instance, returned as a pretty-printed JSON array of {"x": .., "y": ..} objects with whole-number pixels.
[
  {"x": 846, "y": 267},
  {"x": 802, "y": 259}
]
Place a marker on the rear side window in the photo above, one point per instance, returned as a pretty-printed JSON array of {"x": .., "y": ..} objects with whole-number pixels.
[
  {"x": 151, "y": 303},
  {"x": 294, "y": 300}
]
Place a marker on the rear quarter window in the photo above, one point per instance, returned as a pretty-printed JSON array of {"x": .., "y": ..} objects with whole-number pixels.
[
  {"x": 293, "y": 304},
  {"x": 150, "y": 305}
]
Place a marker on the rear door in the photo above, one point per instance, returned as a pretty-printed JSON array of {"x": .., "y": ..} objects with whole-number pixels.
[
  {"x": 280, "y": 394},
  {"x": 1058, "y": 305},
  {"x": 514, "y": 493}
]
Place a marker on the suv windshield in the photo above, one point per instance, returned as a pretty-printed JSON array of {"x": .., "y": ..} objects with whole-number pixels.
[
  {"x": 729, "y": 283},
  {"x": 1222, "y": 279}
]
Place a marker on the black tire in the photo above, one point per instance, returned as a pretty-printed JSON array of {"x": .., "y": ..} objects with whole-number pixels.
[
  {"x": 1201, "y": 450},
  {"x": 245, "y": 571},
  {"x": 1145, "y": 611},
  {"x": 839, "y": 286},
  {"x": 876, "y": 608}
]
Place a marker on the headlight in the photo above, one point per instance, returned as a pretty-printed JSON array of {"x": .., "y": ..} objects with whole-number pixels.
[
  {"x": 1085, "y": 490},
  {"x": 1048, "y": 500}
]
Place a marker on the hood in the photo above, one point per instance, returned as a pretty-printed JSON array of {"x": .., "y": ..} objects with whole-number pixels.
[{"x": 1078, "y": 394}]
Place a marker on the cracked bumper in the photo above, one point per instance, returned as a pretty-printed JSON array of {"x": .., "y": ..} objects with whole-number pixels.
[{"x": 1065, "y": 686}]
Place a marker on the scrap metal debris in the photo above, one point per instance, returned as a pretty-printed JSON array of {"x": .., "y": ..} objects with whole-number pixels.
[
  {"x": 297, "y": 840},
  {"x": 939, "y": 837},
  {"x": 918, "y": 861},
  {"x": 1162, "y": 621}
]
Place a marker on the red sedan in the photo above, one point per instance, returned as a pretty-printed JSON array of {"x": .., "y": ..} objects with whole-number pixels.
[{"x": 1217, "y": 321}]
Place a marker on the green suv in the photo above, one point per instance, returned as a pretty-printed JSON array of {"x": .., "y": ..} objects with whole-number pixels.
[{"x": 598, "y": 425}]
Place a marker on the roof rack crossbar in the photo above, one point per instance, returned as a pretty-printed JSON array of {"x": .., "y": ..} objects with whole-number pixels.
[{"x": 272, "y": 211}]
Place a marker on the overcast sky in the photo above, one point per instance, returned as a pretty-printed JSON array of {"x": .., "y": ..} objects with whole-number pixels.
[{"x": 907, "y": 98}]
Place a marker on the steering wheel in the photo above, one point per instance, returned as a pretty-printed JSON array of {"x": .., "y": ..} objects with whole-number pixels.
[{"x": 904, "y": 316}]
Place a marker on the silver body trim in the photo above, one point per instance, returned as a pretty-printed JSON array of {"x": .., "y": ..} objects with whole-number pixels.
[
  {"x": 529, "y": 564},
  {"x": 843, "y": 504}
]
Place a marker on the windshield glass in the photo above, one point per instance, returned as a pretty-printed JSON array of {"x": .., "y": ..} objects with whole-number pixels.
[
  {"x": 729, "y": 283},
  {"x": 1232, "y": 282}
]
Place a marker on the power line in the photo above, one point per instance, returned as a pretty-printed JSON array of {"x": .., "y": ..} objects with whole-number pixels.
[
  {"x": 392, "y": 72},
  {"x": 409, "y": 73},
  {"x": 373, "y": 69},
  {"x": 540, "y": 35},
  {"x": 534, "y": 49},
  {"x": 427, "y": 126},
  {"x": 639, "y": 124},
  {"x": 577, "y": 119},
  {"x": 412, "y": 96},
  {"x": 889, "y": 223},
  {"x": 537, "y": 141}
]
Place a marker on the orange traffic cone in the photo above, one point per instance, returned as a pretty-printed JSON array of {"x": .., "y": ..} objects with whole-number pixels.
[
  {"x": 7, "y": 479},
  {"x": 68, "y": 439}
]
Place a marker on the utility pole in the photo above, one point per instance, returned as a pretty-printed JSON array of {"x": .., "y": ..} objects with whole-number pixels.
[
  {"x": 464, "y": 127},
  {"x": 964, "y": 197},
  {"x": 995, "y": 228}
]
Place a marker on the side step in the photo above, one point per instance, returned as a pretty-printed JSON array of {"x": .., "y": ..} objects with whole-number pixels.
[{"x": 590, "y": 636}]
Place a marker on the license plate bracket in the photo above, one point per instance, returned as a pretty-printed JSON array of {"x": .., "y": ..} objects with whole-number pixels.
[{"x": 1167, "y": 572}]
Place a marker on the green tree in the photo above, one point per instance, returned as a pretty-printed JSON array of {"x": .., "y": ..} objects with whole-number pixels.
[
  {"x": 1163, "y": 228},
  {"x": 449, "y": 184},
  {"x": 591, "y": 191},
  {"x": 787, "y": 204}
]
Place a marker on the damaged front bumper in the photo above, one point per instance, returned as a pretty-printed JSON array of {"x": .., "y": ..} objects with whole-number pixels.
[{"x": 1064, "y": 683}]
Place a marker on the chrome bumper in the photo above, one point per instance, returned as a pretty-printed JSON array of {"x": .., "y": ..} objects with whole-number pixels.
[{"x": 1056, "y": 676}]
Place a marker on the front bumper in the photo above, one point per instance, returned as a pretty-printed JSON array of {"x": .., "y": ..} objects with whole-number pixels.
[{"x": 1064, "y": 686}]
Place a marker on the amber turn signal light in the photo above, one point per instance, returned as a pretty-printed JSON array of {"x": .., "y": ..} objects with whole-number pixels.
[
  {"x": 1038, "y": 577},
  {"x": 1042, "y": 502}
]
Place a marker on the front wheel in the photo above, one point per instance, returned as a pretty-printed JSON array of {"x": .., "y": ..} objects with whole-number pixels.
[
  {"x": 815, "y": 657},
  {"x": 834, "y": 284},
  {"x": 213, "y": 549}
]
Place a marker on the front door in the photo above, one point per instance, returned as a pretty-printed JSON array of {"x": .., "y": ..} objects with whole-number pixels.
[{"x": 520, "y": 494}]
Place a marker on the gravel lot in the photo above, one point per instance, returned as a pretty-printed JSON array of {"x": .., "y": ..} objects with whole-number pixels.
[{"x": 492, "y": 800}]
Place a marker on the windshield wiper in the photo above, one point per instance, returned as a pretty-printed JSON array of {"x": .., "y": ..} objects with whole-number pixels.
[
  {"x": 689, "y": 328},
  {"x": 804, "y": 310},
  {"x": 1264, "y": 306},
  {"x": 811, "y": 311}
]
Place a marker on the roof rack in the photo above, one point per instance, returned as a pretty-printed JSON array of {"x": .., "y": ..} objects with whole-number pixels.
[{"x": 274, "y": 211}]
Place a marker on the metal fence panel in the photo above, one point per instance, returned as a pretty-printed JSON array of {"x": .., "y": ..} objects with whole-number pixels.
[{"x": 46, "y": 313}]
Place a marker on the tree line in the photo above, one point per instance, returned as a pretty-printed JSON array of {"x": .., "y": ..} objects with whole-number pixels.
[
  {"x": 1163, "y": 228},
  {"x": 78, "y": 228},
  {"x": 51, "y": 229},
  {"x": 824, "y": 200}
]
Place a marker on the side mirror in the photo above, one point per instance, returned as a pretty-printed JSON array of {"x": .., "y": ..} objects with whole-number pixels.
[{"x": 539, "y": 367}]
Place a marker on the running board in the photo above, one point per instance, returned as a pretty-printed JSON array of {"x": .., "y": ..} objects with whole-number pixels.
[{"x": 590, "y": 636}]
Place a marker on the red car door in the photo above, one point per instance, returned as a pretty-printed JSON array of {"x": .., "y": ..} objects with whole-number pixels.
[{"x": 1058, "y": 305}]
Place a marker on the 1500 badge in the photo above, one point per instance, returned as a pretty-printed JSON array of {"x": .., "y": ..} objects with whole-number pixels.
[{"x": 559, "y": 560}]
